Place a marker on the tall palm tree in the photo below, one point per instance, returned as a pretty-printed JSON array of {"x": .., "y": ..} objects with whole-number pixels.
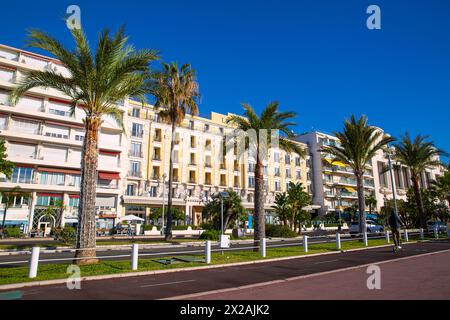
[
  {"x": 273, "y": 120},
  {"x": 359, "y": 143},
  {"x": 97, "y": 82},
  {"x": 8, "y": 199},
  {"x": 418, "y": 155},
  {"x": 176, "y": 93}
]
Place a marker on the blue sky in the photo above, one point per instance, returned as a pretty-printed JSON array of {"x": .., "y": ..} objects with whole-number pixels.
[{"x": 314, "y": 57}]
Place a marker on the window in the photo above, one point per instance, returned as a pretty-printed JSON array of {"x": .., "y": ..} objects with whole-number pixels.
[
  {"x": 276, "y": 157},
  {"x": 265, "y": 170},
  {"x": 298, "y": 174},
  {"x": 277, "y": 171},
  {"x": 297, "y": 161},
  {"x": 191, "y": 124},
  {"x": 251, "y": 182},
  {"x": 21, "y": 150},
  {"x": 153, "y": 192},
  {"x": 18, "y": 201},
  {"x": 277, "y": 185},
  {"x": 287, "y": 159},
  {"x": 137, "y": 130},
  {"x": 136, "y": 112},
  {"x": 52, "y": 178},
  {"x": 54, "y": 154},
  {"x": 135, "y": 168},
  {"x": 382, "y": 175},
  {"x": 105, "y": 202},
  {"x": 74, "y": 202},
  {"x": 56, "y": 132},
  {"x": 74, "y": 180},
  {"x": 251, "y": 167},
  {"x": 288, "y": 172},
  {"x": 131, "y": 190},
  {"x": 26, "y": 126},
  {"x": 136, "y": 149},
  {"x": 206, "y": 127},
  {"x": 22, "y": 175},
  {"x": 48, "y": 200}
]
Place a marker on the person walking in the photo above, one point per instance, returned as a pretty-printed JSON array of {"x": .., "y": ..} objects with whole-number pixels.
[{"x": 395, "y": 223}]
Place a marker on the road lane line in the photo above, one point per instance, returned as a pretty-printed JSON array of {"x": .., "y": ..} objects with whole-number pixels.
[
  {"x": 328, "y": 261},
  {"x": 166, "y": 283}
]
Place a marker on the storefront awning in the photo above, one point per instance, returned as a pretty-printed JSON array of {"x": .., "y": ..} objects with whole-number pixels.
[
  {"x": 56, "y": 170},
  {"x": 108, "y": 176}
]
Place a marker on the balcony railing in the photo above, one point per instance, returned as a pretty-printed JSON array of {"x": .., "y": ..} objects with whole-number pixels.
[
  {"x": 156, "y": 158},
  {"x": 136, "y": 154},
  {"x": 192, "y": 180},
  {"x": 136, "y": 174}
]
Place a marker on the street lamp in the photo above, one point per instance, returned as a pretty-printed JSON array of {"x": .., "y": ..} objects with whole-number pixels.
[
  {"x": 163, "y": 232},
  {"x": 339, "y": 198},
  {"x": 391, "y": 173},
  {"x": 223, "y": 195}
]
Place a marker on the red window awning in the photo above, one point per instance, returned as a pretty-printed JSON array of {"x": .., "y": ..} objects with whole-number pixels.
[
  {"x": 74, "y": 196},
  {"x": 108, "y": 176},
  {"x": 56, "y": 170},
  {"x": 109, "y": 153},
  {"x": 50, "y": 195}
]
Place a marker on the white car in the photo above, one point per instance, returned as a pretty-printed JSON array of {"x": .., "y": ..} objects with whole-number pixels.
[{"x": 372, "y": 227}]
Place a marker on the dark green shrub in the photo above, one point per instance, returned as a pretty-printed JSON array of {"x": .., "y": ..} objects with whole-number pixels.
[
  {"x": 279, "y": 231},
  {"x": 207, "y": 226},
  {"x": 149, "y": 227},
  {"x": 12, "y": 232},
  {"x": 210, "y": 235},
  {"x": 66, "y": 235}
]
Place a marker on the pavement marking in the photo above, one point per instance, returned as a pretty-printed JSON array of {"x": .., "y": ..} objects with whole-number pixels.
[
  {"x": 261, "y": 284},
  {"x": 328, "y": 261},
  {"x": 166, "y": 283}
]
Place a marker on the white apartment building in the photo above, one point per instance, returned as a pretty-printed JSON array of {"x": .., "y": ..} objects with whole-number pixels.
[
  {"x": 44, "y": 141},
  {"x": 334, "y": 184}
]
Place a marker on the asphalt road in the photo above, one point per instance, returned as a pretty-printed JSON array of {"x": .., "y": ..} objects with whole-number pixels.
[
  {"x": 8, "y": 261},
  {"x": 416, "y": 278},
  {"x": 169, "y": 285}
]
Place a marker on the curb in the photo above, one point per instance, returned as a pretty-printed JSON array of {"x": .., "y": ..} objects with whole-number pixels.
[{"x": 154, "y": 272}]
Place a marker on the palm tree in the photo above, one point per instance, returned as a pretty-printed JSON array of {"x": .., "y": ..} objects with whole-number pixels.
[
  {"x": 176, "y": 93},
  {"x": 371, "y": 201},
  {"x": 8, "y": 199},
  {"x": 97, "y": 82},
  {"x": 281, "y": 207},
  {"x": 232, "y": 207},
  {"x": 273, "y": 120},
  {"x": 359, "y": 143},
  {"x": 442, "y": 186},
  {"x": 297, "y": 199},
  {"x": 418, "y": 155}
]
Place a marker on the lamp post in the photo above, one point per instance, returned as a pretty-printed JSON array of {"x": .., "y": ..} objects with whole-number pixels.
[
  {"x": 391, "y": 173},
  {"x": 163, "y": 232},
  {"x": 339, "y": 198},
  {"x": 223, "y": 195}
]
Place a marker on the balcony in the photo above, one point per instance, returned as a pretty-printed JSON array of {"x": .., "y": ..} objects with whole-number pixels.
[
  {"x": 208, "y": 182},
  {"x": 157, "y": 138},
  {"x": 192, "y": 180},
  {"x": 223, "y": 166},
  {"x": 223, "y": 184},
  {"x": 156, "y": 158},
  {"x": 136, "y": 154},
  {"x": 207, "y": 165},
  {"x": 192, "y": 163},
  {"x": 155, "y": 176},
  {"x": 135, "y": 174}
]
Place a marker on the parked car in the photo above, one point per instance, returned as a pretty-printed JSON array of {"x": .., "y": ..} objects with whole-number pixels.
[
  {"x": 439, "y": 225},
  {"x": 372, "y": 227}
]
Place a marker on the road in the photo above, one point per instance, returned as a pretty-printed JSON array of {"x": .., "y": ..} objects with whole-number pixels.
[
  {"x": 8, "y": 261},
  {"x": 182, "y": 283}
]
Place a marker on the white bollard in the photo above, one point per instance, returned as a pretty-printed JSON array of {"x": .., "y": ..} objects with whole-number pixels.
[
  {"x": 366, "y": 243},
  {"x": 263, "y": 247},
  {"x": 34, "y": 261},
  {"x": 421, "y": 234},
  {"x": 208, "y": 252},
  {"x": 387, "y": 237},
  {"x": 448, "y": 232},
  {"x": 134, "y": 257},
  {"x": 406, "y": 235},
  {"x": 338, "y": 241},
  {"x": 305, "y": 243},
  {"x": 436, "y": 233}
]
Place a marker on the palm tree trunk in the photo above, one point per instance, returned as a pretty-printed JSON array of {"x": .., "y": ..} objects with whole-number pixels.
[
  {"x": 168, "y": 234},
  {"x": 4, "y": 219},
  {"x": 361, "y": 202},
  {"x": 85, "y": 242},
  {"x": 419, "y": 203},
  {"x": 260, "y": 226}
]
